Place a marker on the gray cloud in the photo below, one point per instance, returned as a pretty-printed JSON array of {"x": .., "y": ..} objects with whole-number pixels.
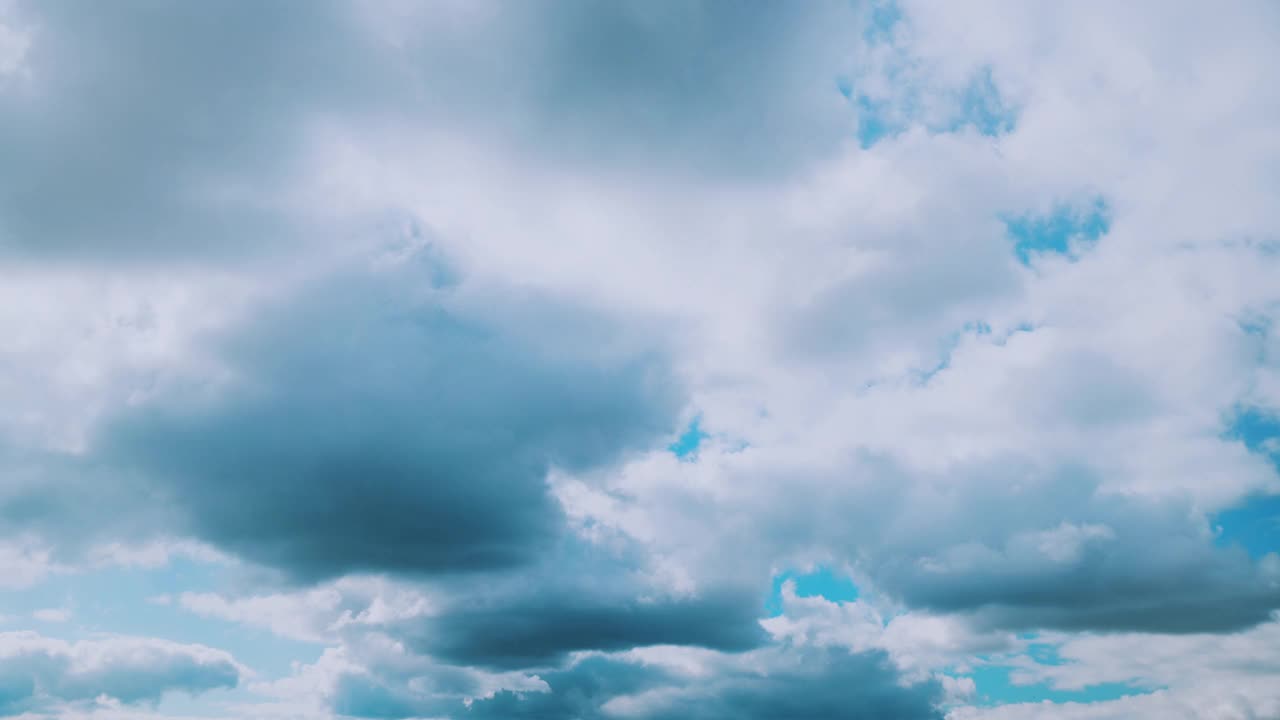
[
  {"x": 373, "y": 425},
  {"x": 154, "y": 132},
  {"x": 1012, "y": 542},
  {"x": 146, "y": 121},
  {"x": 1077, "y": 558},
  {"x": 404, "y": 421},
  {"x": 811, "y": 684},
  {"x": 524, "y": 633},
  {"x": 822, "y": 684},
  {"x": 577, "y": 691},
  {"x": 1021, "y": 546}
]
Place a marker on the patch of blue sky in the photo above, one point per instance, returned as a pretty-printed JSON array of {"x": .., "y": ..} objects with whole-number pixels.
[
  {"x": 1019, "y": 329},
  {"x": 983, "y": 107},
  {"x": 820, "y": 582},
  {"x": 1257, "y": 325},
  {"x": 1254, "y": 524},
  {"x": 1067, "y": 230},
  {"x": 122, "y": 601},
  {"x": 875, "y": 121},
  {"x": 979, "y": 106},
  {"x": 686, "y": 446},
  {"x": 1044, "y": 653},
  {"x": 995, "y": 685},
  {"x": 1259, "y": 430},
  {"x": 948, "y": 345},
  {"x": 883, "y": 18}
]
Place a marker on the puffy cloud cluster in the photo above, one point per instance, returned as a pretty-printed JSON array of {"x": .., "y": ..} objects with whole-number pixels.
[{"x": 395, "y": 309}]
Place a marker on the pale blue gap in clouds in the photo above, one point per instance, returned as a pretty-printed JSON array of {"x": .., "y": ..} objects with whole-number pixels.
[
  {"x": 116, "y": 600},
  {"x": 981, "y": 105},
  {"x": 686, "y": 446},
  {"x": 995, "y": 686},
  {"x": 1067, "y": 230},
  {"x": 820, "y": 582},
  {"x": 949, "y": 344},
  {"x": 1255, "y": 523},
  {"x": 981, "y": 108}
]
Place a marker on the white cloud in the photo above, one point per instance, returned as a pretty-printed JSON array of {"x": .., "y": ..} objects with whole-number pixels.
[
  {"x": 52, "y": 615},
  {"x": 319, "y": 614},
  {"x": 25, "y": 562}
]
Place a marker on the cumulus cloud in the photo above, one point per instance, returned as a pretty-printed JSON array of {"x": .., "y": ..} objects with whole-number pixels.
[
  {"x": 808, "y": 684},
  {"x": 39, "y": 674},
  {"x": 396, "y": 307},
  {"x": 396, "y": 428}
]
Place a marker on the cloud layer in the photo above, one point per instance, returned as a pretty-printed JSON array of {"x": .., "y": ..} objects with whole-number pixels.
[{"x": 491, "y": 359}]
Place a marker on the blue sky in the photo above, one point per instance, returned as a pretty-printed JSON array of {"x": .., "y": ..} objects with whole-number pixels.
[{"x": 608, "y": 361}]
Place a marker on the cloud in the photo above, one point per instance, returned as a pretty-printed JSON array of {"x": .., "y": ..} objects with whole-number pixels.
[
  {"x": 1184, "y": 662},
  {"x": 204, "y": 145},
  {"x": 14, "y": 42},
  {"x": 524, "y": 633},
  {"x": 38, "y": 673},
  {"x": 375, "y": 425},
  {"x": 321, "y": 613},
  {"x": 407, "y": 302},
  {"x": 1074, "y": 556},
  {"x": 26, "y": 563},
  {"x": 832, "y": 684},
  {"x": 194, "y": 134},
  {"x": 52, "y": 615}
]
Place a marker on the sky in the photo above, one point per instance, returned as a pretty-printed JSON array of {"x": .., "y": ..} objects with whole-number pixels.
[{"x": 576, "y": 360}]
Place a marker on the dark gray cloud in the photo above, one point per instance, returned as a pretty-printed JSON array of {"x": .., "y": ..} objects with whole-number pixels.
[
  {"x": 156, "y": 132},
  {"x": 575, "y": 692},
  {"x": 809, "y": 684},
  {"x": 805, "y": 685},
  {"x": 37, "y": 674},
  {"x": 524, "y": 633},
  {"x": 821, "y": 684},
  {"x": 712, "y": 85},
  {"x": 1024, "y": 548},
  {"x": 374, "y": 424},
  {"x": 1015, "y": 543}
]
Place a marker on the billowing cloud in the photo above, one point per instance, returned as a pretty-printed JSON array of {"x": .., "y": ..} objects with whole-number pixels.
[
  {"x": 815, "y": 683},
  {"x": 38, "y": 674},
  {"x": 374, "y": 327},
  {"x": 372, "y": 425}
]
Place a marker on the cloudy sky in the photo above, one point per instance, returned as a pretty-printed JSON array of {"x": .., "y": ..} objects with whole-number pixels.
[{"x": 632, "y": 360}]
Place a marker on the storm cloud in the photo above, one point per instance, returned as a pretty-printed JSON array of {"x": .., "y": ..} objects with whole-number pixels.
[{"x": 371, "y": 426}]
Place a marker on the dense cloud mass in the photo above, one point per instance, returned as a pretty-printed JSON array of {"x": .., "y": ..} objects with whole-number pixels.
[
  {"x": 369, "y": 429},
  {"x": 565, "y": 359},
  {"x": 525, "y": 634},
  {"x": 812, "y": 685}
]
